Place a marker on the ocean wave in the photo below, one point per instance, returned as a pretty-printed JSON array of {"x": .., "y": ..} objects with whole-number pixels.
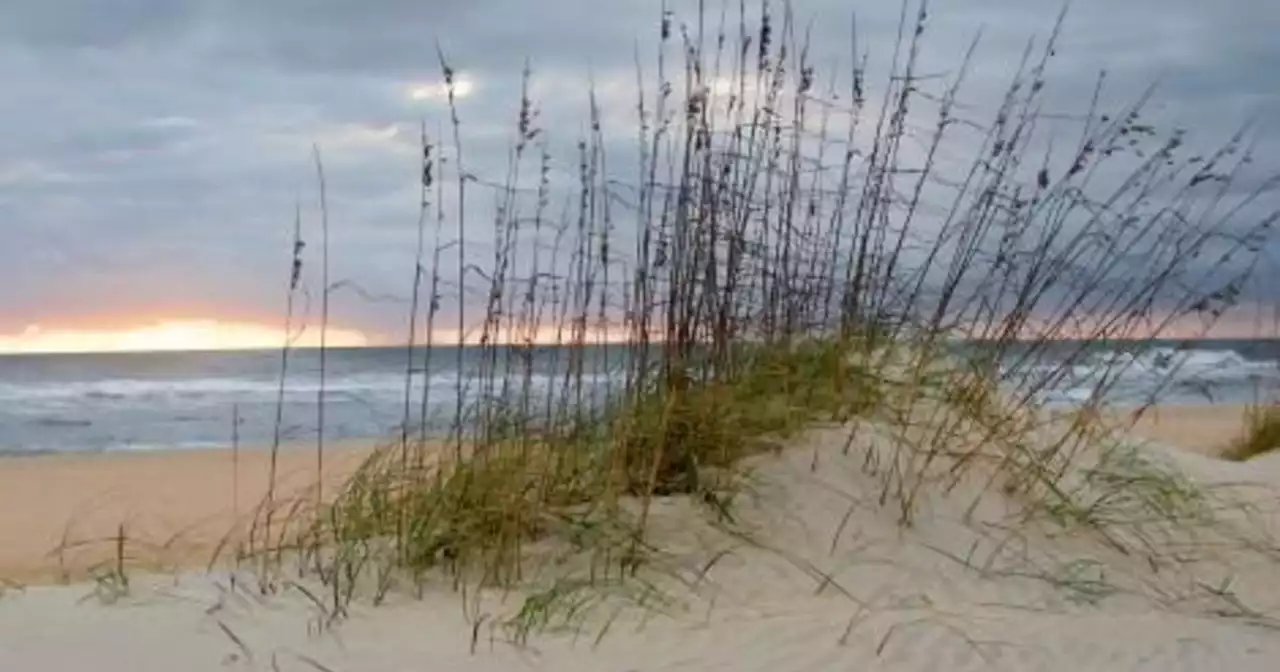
[
  {"x": 102, "y": 395},
  {"x": 232, "y": 390},
  {"x": 143, "y": 447},
  {"x": 8, "y": 452},
  {"x": 1127, "y": 376},
  {"x": 55, "y": 423}
]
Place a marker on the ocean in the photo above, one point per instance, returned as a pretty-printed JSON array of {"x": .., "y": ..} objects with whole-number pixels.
[{"x": 141, "y": 401}]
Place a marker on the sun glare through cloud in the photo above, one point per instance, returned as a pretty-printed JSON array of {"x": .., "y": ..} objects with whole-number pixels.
[
  {"x": 462, "y": 87},
  {"x": 170, "y": 336}
]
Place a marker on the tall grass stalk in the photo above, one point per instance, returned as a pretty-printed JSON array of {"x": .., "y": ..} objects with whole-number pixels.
[
  {"x": 268, "y": 506},
  {"x": 325, "y": 289},
  {"x": 779, "y": 255}
]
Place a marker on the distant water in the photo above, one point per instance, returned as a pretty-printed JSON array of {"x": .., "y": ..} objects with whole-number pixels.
[
  {"x": 111, "y": 402},
  {"x": 1171, "y": 372},
  {"x": 138, "y": 401}
]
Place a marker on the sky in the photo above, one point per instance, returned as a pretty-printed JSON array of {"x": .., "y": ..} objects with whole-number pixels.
[{"x": 152, "y": 152}]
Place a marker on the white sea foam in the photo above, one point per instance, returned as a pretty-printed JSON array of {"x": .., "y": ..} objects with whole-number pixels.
[
  {"x": 1146, "y": 375},
  {"x": 246, "y": 390}
]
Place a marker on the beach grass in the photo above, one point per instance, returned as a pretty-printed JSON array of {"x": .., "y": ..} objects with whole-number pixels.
[
  {"x": 1261, "y": 433},
  {"x": 778, "y": 255}
]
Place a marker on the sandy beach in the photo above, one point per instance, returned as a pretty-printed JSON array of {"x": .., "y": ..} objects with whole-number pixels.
[
  {"x": 174, "y": 506},
  {"x": 942, "y": 594},
  {"x": 1206, "y": 430}
]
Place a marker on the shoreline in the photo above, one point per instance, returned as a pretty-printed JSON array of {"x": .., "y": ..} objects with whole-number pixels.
[
  {"x": 244, "y": 449},
  {"x": 175, "y": 504},
  {"x": 1157, "y": 422}
]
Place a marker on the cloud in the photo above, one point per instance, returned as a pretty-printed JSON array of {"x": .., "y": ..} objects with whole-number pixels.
[{"x": 153, "y": 152}]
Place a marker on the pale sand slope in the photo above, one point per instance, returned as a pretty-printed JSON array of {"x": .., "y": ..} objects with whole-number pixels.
[{"x": 946, "y": 593}]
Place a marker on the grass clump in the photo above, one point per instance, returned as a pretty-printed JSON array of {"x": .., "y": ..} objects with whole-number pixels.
[
  {"x": 670, "y": 434},
  {"x": 1137, "y": 502},
  {"x": 1261, "y": 433},
  {"x": 495, "y": 514}
]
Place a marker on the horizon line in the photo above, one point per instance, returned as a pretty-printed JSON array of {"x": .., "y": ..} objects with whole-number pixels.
[{"x": 470, "y": 345}]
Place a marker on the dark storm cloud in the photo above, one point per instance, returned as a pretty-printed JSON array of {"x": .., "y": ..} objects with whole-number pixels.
[{"x": 152, "y": 152}]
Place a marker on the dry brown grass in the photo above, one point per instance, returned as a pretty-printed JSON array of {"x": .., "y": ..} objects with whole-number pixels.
[{"x": 1261, "y": 433}]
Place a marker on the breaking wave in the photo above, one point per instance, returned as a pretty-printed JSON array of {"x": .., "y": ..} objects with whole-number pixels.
[{"x": 1160, "y": 373}]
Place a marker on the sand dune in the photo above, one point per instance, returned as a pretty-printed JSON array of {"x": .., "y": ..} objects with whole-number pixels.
[{"x": 829, "y": 580}]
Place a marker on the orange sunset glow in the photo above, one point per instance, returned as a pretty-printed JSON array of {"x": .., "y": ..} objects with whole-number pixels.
[{"x": 169, "y": 336}]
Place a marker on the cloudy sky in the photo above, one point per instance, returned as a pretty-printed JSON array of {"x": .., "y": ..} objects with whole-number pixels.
[{"x": 152, "y": 151}]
